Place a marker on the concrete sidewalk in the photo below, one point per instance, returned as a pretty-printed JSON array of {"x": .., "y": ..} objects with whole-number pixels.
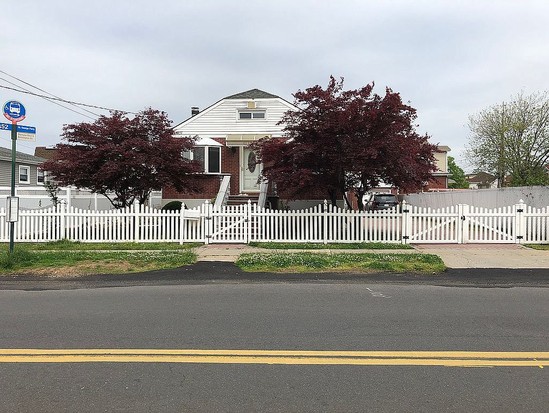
[
  {"x": 508, "y": 256},
  {"x": 487, "y": 255}
]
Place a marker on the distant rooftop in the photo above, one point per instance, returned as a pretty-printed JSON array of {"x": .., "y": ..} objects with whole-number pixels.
[
  {"x": 5, "y": 155},
  {"x": 252, "y": 94},
  {"x": 45, "y": 152}
]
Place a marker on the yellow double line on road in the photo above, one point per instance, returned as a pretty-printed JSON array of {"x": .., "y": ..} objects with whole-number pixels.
[{"x": 290, "y": 357}]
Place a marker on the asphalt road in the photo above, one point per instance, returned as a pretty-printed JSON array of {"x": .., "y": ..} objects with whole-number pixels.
[
  {"x": 223, "y": 312},
  {"x": 215, "y": 272}
]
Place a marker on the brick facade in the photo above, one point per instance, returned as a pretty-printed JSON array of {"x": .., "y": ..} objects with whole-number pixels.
[{"x": 438, "y": 182}]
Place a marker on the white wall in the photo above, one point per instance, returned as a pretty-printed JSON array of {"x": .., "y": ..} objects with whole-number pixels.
[
  {"x": 536, "y": 196},
  {"x": 37, "y": 197}
]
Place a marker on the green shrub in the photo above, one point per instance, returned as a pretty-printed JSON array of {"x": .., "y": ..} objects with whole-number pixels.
[{"x": 172, "y": 206}]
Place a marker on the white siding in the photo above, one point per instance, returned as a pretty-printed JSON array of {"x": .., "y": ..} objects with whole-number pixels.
[
  {"x": 221, "y": 119},
  {"x": 441, "y": 161}
]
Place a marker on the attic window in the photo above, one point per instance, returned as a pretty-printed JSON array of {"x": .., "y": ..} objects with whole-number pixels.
[{"x": 251, "y": 114}]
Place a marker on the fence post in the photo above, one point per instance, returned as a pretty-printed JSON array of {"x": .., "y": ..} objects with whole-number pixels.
[
  {"x": 405, "y": 223},
  {"x": 463, "y": 224},
  {"x": 325, "y": 219},
  {"x": 248, "y": 222},
  {"x": 61, "y": 207},
  {"x": 182, "y": 224},
  {"x": 68, "y": 194},
  {"x": 520, "y": 222},
  {"x": 137, "y": 227},
  {"x": 208, "y": 222}
]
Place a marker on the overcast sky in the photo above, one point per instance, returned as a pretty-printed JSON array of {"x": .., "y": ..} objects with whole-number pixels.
[{"x": 449, "y": 59}]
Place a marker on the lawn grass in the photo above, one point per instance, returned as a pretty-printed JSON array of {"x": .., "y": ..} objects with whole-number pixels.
[
  {"x": 348, "y": 262},
  {"x": 66, "y": 245},
  {"x": 542, "y": 247},
  {"x": 73, "y": 259},
  {"x": 342, "y": 246}
]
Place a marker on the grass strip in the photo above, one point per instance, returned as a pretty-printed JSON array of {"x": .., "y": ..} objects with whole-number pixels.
[
  {"x": 65, "y": 245},
  {"x": 318, "y": 246},
  {"x": 315, "y": 262},
  {"x": 71, "y": 263},
  {"x": 541, "y": 247}
]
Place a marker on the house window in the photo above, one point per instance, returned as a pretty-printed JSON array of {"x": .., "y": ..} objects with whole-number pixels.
[
  {"x": 24, "y": 174},
  {"x": 208, "y": 156},
  {"x": 40, "y": 176},
  {"x": 251, "y": 114}
]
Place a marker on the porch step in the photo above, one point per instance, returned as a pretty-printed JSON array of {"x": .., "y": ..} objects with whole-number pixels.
[{"x": 242, "y": 199}]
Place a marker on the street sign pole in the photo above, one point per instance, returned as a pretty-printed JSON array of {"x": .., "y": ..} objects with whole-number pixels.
[
  {"x": 12, "y": 193},
  {"x": 14, "y": 111}
]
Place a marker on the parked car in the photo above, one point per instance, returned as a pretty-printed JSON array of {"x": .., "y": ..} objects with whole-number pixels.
[{"x": 376, "y": 202}]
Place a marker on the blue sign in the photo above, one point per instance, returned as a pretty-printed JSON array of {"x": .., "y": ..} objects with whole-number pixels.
[
  {"x": 26, "y": 129},
  {"x": 14, "y": 111},
  {"x": 20, "y": 128}
]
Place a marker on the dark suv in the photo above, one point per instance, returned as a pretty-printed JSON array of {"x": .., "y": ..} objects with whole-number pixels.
[{"x": 375, "y": 202}]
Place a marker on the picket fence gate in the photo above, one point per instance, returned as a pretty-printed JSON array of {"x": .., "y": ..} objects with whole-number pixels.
[{"x": 247, "y": 223}]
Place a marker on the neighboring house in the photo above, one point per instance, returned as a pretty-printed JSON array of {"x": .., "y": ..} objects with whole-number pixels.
[
  {"x": 223, "y": 131},
  {"x": 45, "y": 152},
  {"x": 481, "y": 180},
  {"x": 27, "y": 172},
  {"x": 441, "y": 176}
]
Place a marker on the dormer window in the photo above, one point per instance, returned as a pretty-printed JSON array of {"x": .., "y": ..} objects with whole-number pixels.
[{"x": 251, "y": 114}]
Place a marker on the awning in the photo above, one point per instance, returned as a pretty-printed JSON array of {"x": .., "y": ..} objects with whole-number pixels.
[
  {"x": 244, "y": 139},
  {"x": 207, "y": 142}
]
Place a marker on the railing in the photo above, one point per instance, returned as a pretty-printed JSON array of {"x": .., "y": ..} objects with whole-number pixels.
[
  {"x": 246, "y": 223},
  {"x": 263, "y": 187},
  {"x": 223, "y": 193}
]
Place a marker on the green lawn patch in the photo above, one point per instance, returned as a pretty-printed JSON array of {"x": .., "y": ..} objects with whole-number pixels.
[
  {"x": 314, "y": 246},
  {"x": 74, "y": 262},
  {"x": 66, "y": 245},
  {"x": 542, "y": 247},
  {"x": 315, "y": 262}
]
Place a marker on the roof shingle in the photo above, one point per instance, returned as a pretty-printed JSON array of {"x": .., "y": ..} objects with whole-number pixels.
[
  {"x": 253, "y": 94},
  {"x": 5, "y": 155}
]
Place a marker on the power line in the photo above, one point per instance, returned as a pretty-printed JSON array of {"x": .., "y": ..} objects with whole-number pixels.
[
  {"x": 64, "y": 100},
  {"x": 47, "y": 98},
  {"x": 53, "y": 97},
  {"x": 41, "y": 90}
]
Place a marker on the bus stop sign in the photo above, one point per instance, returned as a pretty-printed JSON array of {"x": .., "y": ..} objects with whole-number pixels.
[{"x": 14, "y": 111}]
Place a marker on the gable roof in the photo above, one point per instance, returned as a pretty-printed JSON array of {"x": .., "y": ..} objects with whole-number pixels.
[
  {"x": 249, "y": 94},
  {"x": 5, "y": 155},
  {"x": 480, "y": 177},
  {"x": 253, "y": 94}
]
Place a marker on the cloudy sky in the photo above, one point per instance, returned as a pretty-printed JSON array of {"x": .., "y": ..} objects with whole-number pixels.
[{"x": 449, "y": 59}]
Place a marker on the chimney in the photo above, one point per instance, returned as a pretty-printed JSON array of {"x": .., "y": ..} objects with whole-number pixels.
[{"x": 195, "y": 111}]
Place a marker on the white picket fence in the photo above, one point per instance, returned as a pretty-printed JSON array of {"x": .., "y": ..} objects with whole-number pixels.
[{"x": 247, "y": 223}]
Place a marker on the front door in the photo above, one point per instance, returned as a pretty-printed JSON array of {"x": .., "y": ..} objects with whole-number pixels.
[{"x": 250, "y": 171}]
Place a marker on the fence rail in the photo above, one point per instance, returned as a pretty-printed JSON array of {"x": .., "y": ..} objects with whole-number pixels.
[{"x": 246, "y": 223}]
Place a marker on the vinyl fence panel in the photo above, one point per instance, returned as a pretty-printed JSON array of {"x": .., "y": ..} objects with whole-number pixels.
[{"x": 246, "y": 223}]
